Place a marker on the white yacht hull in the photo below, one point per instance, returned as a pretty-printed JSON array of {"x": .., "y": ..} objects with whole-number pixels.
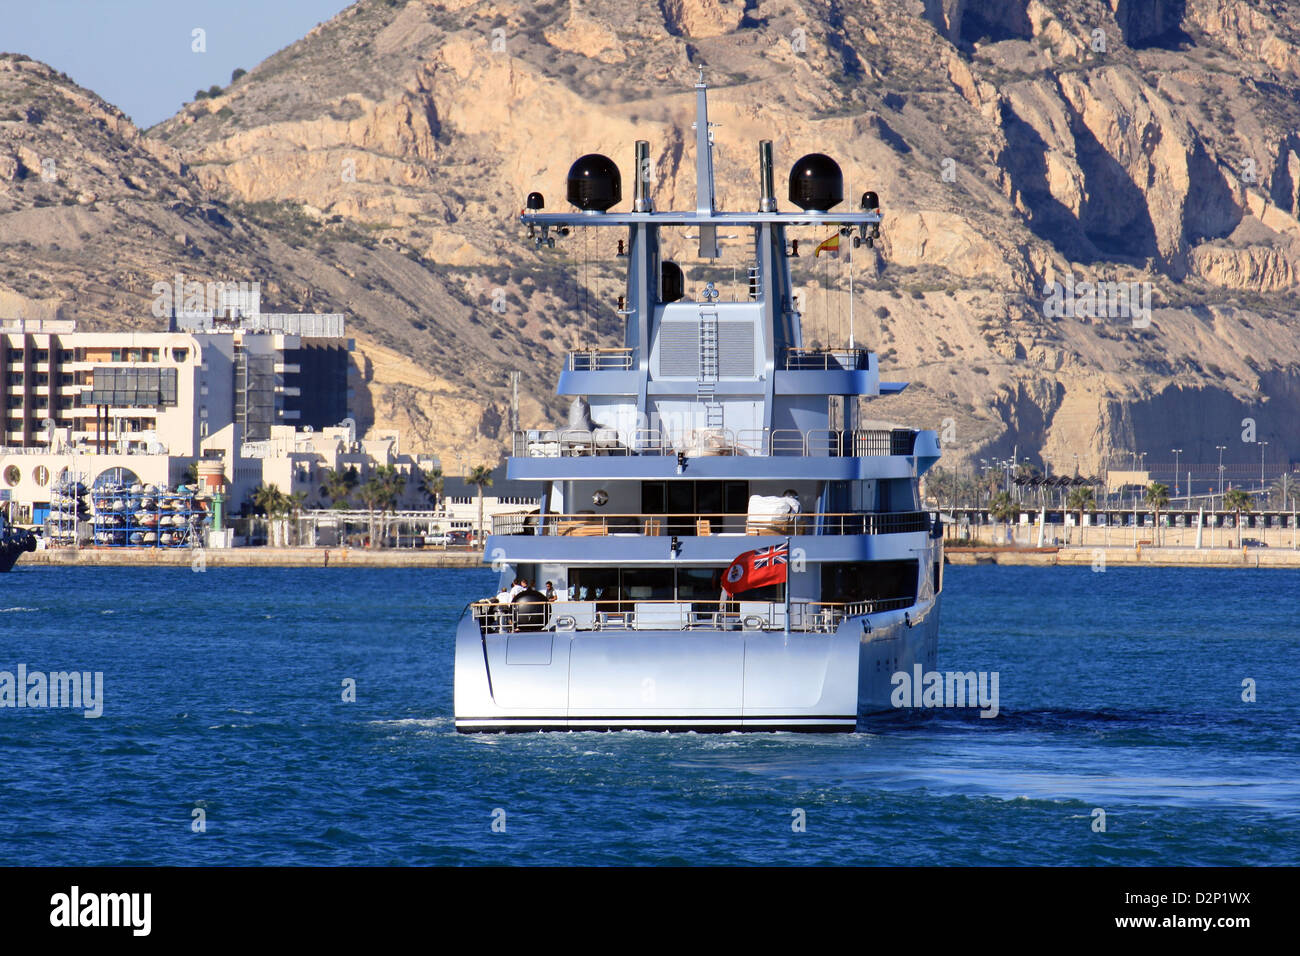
[{"x": 698, "y": 680}]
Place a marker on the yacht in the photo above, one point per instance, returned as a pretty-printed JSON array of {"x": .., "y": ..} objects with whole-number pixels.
[
  {"x": 14, "y": 542},
  {"x": 722, "y": 542}
]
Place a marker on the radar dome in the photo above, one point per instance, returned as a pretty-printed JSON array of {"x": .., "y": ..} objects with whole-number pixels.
[
  {"x": 531, "y": 610},
  {"x": 816, "y": 183},
  {"x": 594, "y": 183}
]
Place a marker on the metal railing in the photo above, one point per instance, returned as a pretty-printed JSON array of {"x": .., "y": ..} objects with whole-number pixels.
[
  {"x": 590, "y": 524},
  {"x": 706, "y": 442},
  {"x": 600, "y": 360},
  {"x": 821, "y": 360},
  {"x": 628, "y": 614}
]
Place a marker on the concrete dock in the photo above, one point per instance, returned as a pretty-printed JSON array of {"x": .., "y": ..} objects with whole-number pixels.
[
  {"x": 1104, "y": 557},
  {"x": 254, "y": 558}
]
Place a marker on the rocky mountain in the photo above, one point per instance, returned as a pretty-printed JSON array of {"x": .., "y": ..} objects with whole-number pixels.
[{"x": 1018, "y": 146}]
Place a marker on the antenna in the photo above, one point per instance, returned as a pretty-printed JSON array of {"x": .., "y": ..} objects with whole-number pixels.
[{"x": 704, "y": 169}]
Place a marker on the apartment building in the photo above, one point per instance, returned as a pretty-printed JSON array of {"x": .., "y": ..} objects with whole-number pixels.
[{"x": 153, "y": 402}]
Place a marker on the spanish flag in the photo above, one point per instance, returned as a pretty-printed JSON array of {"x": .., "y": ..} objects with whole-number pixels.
[{"x": 831, "y": 245}]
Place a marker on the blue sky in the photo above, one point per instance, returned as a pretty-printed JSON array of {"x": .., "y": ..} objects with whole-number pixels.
[{"x": 138, "y": 55}]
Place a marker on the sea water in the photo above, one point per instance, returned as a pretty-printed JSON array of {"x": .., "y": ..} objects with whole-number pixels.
[{"x": 1146, "y": 716}]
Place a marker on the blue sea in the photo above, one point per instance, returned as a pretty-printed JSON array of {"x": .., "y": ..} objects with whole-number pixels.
[{"x": 223, "y": 693}]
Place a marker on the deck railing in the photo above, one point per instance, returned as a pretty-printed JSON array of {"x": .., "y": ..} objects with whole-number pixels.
[
  {"x": 709, "y": 442},
  {"x": 793, "y": 359},
  {"x": 801, "y": 359},
  {"x": 586, "y": 524},
  {"x": 630, "y": 614},
  {"x": 600, "y": 360}
]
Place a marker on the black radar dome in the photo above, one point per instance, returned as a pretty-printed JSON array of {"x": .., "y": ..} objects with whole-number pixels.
[
  {"x": 531, "y": 610},
  {"x": 594, "y": 183},
  {"x": 816, "y": 183}
]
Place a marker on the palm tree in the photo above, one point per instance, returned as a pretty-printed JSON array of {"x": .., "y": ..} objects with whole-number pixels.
[
  {"x": 373, "y": 494},
  {"x": 293, "y": 505},
  {"x": 1282, "y": 490},
  {"x": 268, "y": 500},
  {"x": 1157, "y": 497},
  {"x": 392, "y": 482},
  {"x": 432, "y": 483},
  {"x": 1003, "y": 508},
  {"x": 1238, "y": 501},
  {"x": 1082, "y": 497},
  {"x": 338, "y": 485},
  {"x": 480, "y": 477}
]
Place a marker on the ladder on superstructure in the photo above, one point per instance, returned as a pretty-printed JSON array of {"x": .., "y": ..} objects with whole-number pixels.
[{"x": 707, "y": 383}]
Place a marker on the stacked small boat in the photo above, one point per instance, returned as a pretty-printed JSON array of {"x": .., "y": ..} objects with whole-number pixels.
[
  {"x": 147, "y": 516},
  {"x": 68, "y": 506}
]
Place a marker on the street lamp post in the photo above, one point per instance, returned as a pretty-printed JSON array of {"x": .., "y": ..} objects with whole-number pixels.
[
  {"x": 1177, "y": 452},
  {"x": 1221, "y": 449},
  {"x": 1262, "y": 446}
]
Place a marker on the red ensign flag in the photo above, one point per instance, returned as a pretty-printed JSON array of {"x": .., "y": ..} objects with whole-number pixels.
[{"x": 754, "y": 569}]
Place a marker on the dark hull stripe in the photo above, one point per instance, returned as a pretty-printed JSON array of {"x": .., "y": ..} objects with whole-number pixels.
[
  {"x": 733, "y": 718},
  {"x": 677, "y": 724}
]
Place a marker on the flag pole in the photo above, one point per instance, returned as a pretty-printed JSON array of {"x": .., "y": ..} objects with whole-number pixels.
[
  {"x": 787, "y": 584},
  {"x": 849, "y": 254}
]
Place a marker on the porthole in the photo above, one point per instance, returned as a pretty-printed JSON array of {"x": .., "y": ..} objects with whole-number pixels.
[
  {"x": 41, "y": 475},
  {"x": 13, "y": 475}
]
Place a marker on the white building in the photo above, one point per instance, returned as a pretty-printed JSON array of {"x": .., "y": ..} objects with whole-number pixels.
[{"x": 111, "y": 405}]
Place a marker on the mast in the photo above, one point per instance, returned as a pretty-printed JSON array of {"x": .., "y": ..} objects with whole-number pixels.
[{"x": 704, "y": 200}]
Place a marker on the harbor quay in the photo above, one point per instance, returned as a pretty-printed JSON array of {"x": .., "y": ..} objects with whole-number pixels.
[
  {"x": 202, "y": 559},
  {"x": 1100, "y": 558}
]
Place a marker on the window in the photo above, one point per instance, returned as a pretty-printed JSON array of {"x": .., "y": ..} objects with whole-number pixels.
[
  {"x": 12, "y": 475},
  {"x": 706, "y": 499},
  {"x": 131, "y": 387},
  {"x": 869, "y": 581},
  {"x": 630, "y": 585}
]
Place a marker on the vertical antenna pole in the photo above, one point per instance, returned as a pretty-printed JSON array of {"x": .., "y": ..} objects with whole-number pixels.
[
  {"x": 767, "y": 198},
  {"x": 704, "y": 170},
  {"x": 703, "y": 150},
  {"x": 641, "y": 184}
]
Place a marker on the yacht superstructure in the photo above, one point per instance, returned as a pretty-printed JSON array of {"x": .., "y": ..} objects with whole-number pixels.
[{"x": 712, "y": 450}]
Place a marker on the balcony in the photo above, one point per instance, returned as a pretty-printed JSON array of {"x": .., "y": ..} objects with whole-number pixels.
[
  {"x": 600, "y": 360},
  {"x": 816, "y": 617},
  {"x": 815, "y": 443},
  {"x": 826, "y": 360},
  {"x": 703, "y": 525}
]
